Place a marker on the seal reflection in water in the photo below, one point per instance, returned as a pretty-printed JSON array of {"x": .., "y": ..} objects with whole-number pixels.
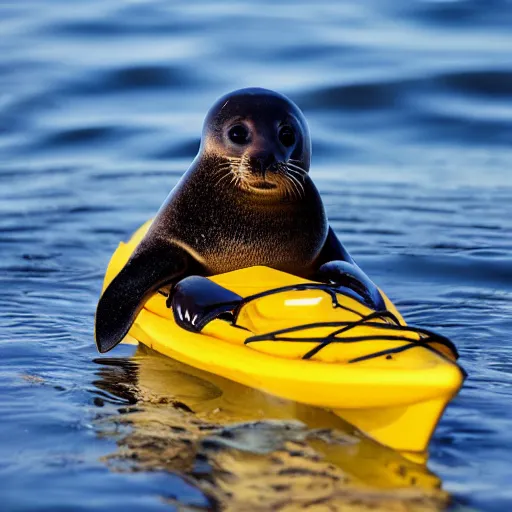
[{"x": 247, "y": 199}]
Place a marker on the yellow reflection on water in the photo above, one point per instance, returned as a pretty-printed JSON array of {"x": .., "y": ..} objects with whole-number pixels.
[{"x": 252, "y": 451}]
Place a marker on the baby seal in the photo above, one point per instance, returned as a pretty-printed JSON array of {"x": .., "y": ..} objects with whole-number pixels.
[{"x": 247, "y": 199}]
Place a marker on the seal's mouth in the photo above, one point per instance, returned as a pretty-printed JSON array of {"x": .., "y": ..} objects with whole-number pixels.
[
  {"x": 282, "y": 179},
  {"x": 263, "y": 185}
]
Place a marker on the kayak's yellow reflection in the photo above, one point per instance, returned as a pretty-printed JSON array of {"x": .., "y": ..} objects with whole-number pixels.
[{"x": 252, "y": 451}]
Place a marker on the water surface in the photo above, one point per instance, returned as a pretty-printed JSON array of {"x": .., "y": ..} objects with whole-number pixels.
[{"x": 101, "y": 105}]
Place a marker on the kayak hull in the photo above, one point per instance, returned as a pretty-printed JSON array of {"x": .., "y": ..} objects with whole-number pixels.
[{"x": 395, "y": 399}]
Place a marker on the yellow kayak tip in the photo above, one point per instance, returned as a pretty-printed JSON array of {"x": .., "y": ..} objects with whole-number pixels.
[{"x": 307, "y": 342}]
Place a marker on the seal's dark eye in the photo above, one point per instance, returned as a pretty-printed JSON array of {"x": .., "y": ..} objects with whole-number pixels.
[
  {"x": 286, "y": 136},
  {"x": 239, "y": 134}
]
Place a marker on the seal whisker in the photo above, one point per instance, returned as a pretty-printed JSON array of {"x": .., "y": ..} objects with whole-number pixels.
[
  {"x": 292, "y": 187},
  {"x": 222, "y": 177},
  {"x": 222, "y": 167},
  {"x": 296, "y": 171},
  {"x": 242, "y": 172},
  {"x": 296, "y": 190},
  {"x": 284, "y": 185},
  {"x": 295, "y": 174},
  {"x": 241, "y": 165},
  {"x": 294, "y": 178},
  {"x": 289, "y": 187},
  {"x": 282, "y": 168},
  {"x": 297, "y": 168},
  {"x": 296, "y": 183},
  {"x": 301, "y": 175},
  {"x": 286, "y": 191},
  {"x": 224, "y": 170}
]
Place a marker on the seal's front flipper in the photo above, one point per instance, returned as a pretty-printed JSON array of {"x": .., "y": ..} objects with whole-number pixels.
[
  {"x": 150, "y": 267},
  {"x": 196, "y": 301},
  {"x": 352, "y": 278}
]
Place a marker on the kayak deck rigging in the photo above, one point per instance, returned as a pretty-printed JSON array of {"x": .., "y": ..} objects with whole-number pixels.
[{"x": 226, "y": 305}]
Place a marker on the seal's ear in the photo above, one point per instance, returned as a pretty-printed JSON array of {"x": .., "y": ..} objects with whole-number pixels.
[{"x": 151, "y": 266}]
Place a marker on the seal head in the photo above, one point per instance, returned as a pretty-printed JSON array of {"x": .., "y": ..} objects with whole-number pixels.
[{"x": 264, "y": 140}]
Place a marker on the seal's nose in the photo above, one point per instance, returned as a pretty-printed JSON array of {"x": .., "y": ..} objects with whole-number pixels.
[{"x": 265, "y": 162}]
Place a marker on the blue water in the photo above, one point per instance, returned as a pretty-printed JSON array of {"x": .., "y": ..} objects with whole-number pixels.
[{"x": 101, "y": 104}]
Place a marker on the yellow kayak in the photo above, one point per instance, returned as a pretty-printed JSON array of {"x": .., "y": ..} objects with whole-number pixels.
[{"x": 310, "y": 343}]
